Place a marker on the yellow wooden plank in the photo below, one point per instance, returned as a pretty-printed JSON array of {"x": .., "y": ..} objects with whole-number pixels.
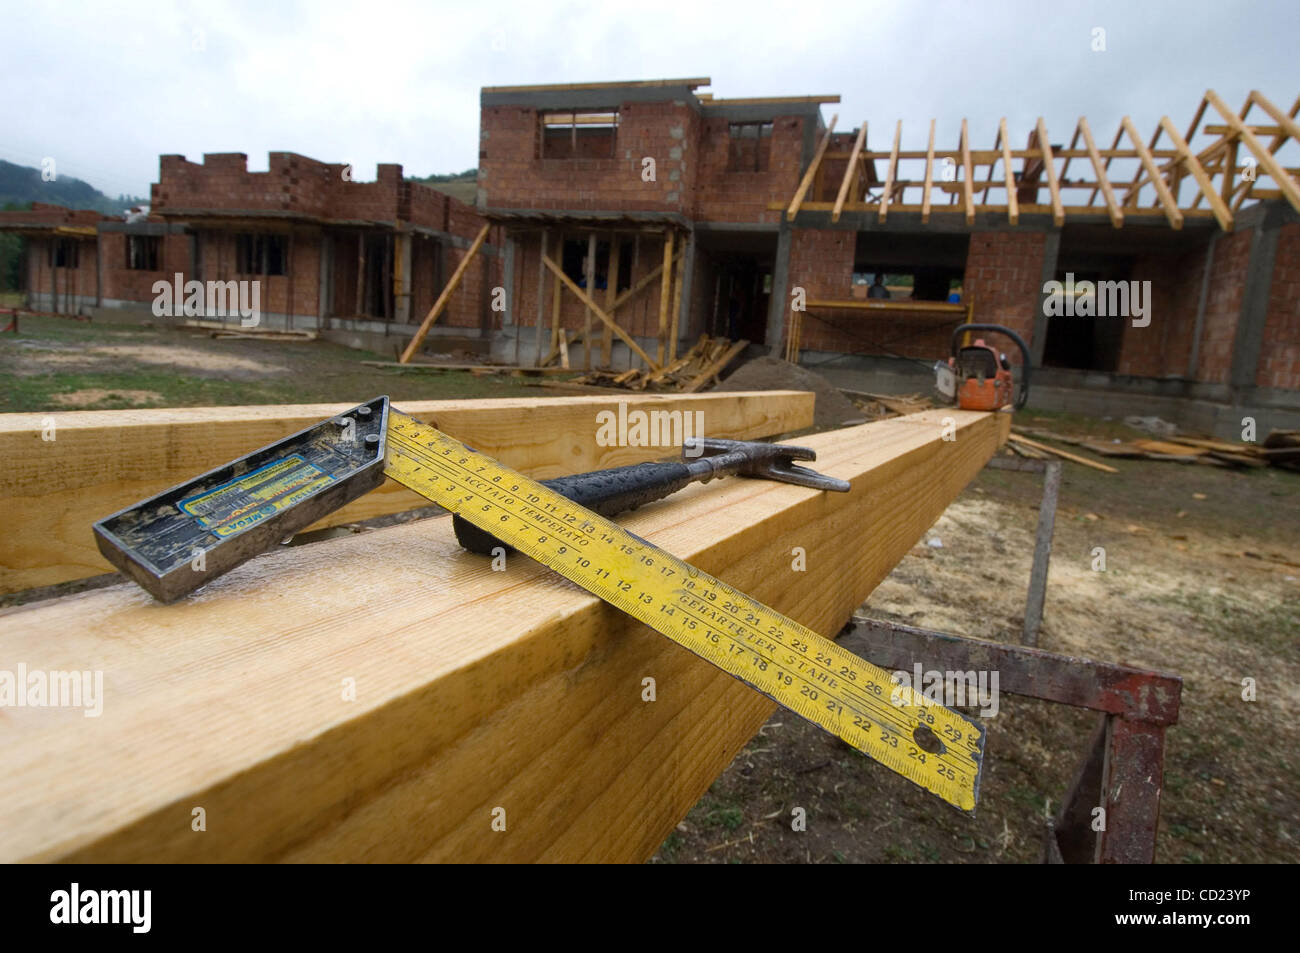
[
  {"x": 849, "y": 172},
  {"x": 445, "y": 296},
  {"x": 1172, "y": 211},
  {"x": 809, "y": 175},
  {"x": 890, "y": 173},
  {"x": 1112, "y": 204}
]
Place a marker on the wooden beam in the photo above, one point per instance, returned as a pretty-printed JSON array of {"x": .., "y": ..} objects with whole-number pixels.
[
  {"x": 890, "y": 171},
  {"x": 1112, "y": 205},
  {"x": 1216, "y": 203},
  {"x": 967, "y": 173},
  {"x": 715, "y": 368},
  {"x": 809, "y": 175},
  {"x": 1172, "y": 211},
  {"x": 1290, "y": 190},
  {"x": 929, "y": 177},
  {"x": 105, "y": 460},
  {"x": 1013, "y": 203},
  {"x": 665, "y": 293},
  {"x": 849, "y": 171},
  {"x": 600, "y": 313},
  {"x": 474, "y": 690},
  {"x": 445, "y": 296},
  {"x": 645, "y": 281},
  {"x": 674, "y": 318},
  {"x": 1053, "y": 185}
]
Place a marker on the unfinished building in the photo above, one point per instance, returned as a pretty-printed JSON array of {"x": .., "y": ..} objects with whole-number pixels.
[{"x": 623, "y": 220}]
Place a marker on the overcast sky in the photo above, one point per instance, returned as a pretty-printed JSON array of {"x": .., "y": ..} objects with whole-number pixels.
[{"x": 106, "y": 88}]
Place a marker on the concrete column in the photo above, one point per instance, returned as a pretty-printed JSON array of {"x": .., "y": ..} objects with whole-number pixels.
[
  {"x": 1249, "y": 339},
  {"x": 780, "y": 300},
  {"x": 688, "y": 272},
  {"x": 325, "y": 285},
  {"x": 508, "y": 317},
  {"x": 1051, "y": 254}
]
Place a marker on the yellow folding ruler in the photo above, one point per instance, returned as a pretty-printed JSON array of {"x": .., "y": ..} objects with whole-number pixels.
[{"x": 929, "y": 744}]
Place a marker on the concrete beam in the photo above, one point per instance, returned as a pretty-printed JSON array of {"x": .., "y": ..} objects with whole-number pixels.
[
  {"x": 778, "y": 303},
  {"x": 1249, "y": 339},
  {"x": 1051, "y": 253}
]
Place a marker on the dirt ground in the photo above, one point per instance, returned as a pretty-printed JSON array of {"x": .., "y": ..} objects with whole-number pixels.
[{"x": 1202, "y": 580}]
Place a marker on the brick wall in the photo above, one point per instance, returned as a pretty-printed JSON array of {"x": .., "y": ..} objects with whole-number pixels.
[
  {"x": 1004, "y": 278},
  {"x": 1279, "y": 361},
  {"x": 512, "y": 176},
  {"x": 1223, "y": 306},
  {"x": 725, "y": 196},
  {"x": 73, "y": 288},
  {"x": 1162, "y": 348}
]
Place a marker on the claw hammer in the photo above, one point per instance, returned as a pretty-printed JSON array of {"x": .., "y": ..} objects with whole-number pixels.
[{"x": 613, "y": 491}]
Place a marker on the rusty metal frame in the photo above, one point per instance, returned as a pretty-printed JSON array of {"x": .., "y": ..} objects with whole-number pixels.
[{"x": 1123, "y": 768}]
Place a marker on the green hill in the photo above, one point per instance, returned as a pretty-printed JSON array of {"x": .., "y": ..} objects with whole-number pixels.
[{"x": 21, "y": 185}]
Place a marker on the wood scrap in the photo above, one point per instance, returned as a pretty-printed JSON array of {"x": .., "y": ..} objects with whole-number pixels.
[
  {"x": 691, "y": 372},
  {"x": 1016, "y": 438}
]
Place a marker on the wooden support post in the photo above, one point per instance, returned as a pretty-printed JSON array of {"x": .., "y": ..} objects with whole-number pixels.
[
  {"x": 599, "y": 312},
  {"x": 806, "y": 182},
  {"x": 674, "y": 322},
  {"x": 445, "y": 296},
  {"x": 850, "y": 171},
  {"x": 492, "y": 688},
  {"x": 557, "y": 298},
  {"x": 665, "y": 293}
]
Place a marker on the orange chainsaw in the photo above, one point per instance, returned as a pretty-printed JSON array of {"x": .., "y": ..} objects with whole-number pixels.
[{"x": 978, "y": 376}]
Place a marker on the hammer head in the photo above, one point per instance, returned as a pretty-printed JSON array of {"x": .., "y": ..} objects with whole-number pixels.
[{"x": 768, "y": 461}]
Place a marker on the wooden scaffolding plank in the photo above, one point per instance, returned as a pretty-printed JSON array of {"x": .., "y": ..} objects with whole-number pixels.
[
  {"x": 103, "y": 461},
  {"x": 474, "y": 690},
  {"x": 599, "y": 312},
  {"x": 445, "y": 296},
  {"x": 850, "y": 171},
  {"x": 809, "y": 175}
]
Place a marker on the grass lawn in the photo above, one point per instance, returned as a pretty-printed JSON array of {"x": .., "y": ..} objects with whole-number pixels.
[{"x": 62, "y": 364}]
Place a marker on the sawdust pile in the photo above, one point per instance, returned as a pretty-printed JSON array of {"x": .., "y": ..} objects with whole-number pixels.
[{"x": 832, "y": 409}]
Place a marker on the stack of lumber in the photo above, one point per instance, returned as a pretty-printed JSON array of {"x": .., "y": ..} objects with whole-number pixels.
[
  {"x": 881, "y": 406},
  {"x": 691, "y": 372},
  {"x": 222, "y": 330},
  {"x": 1280, "y": 448},
  {"x": 101, "y": 461},
  {"x": 386, "y": 696}
]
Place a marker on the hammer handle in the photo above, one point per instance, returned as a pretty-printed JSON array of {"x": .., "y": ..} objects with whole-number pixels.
[{"x": 607, "y": 492}]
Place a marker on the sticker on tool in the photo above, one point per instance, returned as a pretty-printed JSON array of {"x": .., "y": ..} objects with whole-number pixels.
[{"x": 253, "y": 497}]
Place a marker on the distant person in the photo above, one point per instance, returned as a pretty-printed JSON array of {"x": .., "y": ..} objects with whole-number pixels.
[{"x": 878, "y": 289}]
